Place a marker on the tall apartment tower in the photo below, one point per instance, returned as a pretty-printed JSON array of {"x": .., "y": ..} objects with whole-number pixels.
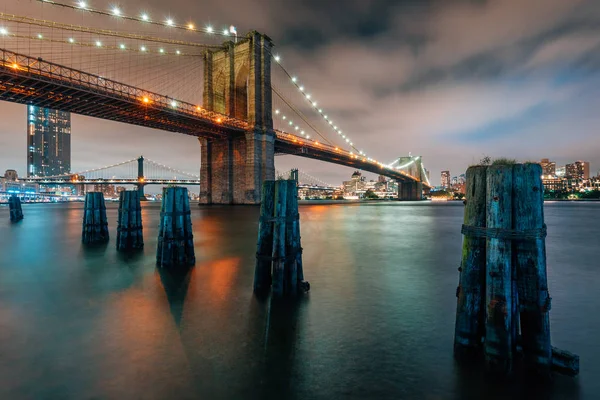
[
  {"x": 48, "y": 142},
  {"x": 446, "y": 179}
]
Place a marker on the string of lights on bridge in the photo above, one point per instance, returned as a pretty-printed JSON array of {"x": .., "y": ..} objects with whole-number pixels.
[
  {"x": 143, "y": 17},
  {"x": 144, "y": 49}
]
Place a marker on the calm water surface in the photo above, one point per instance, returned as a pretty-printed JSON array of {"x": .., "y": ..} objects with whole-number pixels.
[{"x": 89, "y": 323}]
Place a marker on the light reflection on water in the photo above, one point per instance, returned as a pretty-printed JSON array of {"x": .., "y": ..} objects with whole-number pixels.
[{"x": 88, "y": 322}]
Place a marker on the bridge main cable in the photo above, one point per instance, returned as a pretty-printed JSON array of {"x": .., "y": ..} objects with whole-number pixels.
[{"x": 104, "y": 32}]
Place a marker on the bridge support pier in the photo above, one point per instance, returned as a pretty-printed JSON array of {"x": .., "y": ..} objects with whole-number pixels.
[
  {"x": 232, "y": 170},
  {"x": 410, "y": 191},
  {"x": 237, "y": 82}
]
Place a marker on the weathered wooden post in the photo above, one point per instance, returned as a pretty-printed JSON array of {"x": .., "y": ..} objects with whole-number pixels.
[
  {"x": 129, "y": 228},
  {"x": 175, "y": 235},
  {"x": 498, "y": 326},
  {"x": 292, "y": 240},
  {"x": 515, "y": 282},
  {"x": 95, "y": 225},
  {"x": 470, "y": 309},
  {"x": 279, "y": 231},
  {"x": 15, "y": 209},
  {"x": 530, "y": 259},
  {"x": 264, "y": 245}
]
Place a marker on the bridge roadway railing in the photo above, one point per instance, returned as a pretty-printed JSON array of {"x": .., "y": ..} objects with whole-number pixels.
[
  {"x": 51, "y": 73},
  {"x": 101, "y": 181},
  {"x": 341, "y": 156}
]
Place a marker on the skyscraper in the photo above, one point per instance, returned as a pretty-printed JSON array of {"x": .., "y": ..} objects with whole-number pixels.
[
  {"x": 578, "y": 170},
  {"x": 48, "y": 142},
  {"x": 446, "y": 179}
]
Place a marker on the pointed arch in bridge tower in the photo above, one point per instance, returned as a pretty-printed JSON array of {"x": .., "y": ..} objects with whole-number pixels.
[{"x": 237, "y": 82}]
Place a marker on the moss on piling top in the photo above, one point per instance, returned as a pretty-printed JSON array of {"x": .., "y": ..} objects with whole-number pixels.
[{"x": 504, "y": 161}]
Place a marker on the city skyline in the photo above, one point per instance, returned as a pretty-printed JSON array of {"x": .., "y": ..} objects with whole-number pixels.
[{"x": 531, "y": 82}]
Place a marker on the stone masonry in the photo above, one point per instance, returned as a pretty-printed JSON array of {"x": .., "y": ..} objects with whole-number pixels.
[{"x": 237, "y": 82}]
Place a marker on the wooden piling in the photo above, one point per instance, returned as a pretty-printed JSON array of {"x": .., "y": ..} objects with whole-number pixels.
[
  {"x": 292, "y": 239},
  {"x": 530, "y": 263},
  {"x": 279, "y": 231},
  {"x": 498, "y": 325},
  {"x": 264, "y": 245},
  {"x": 95, "y": 225},
  {"x": 175, "y": 236},
  {"x": 15, "y": 209},
  {"x": 129, "y": 228},
  {"x": 470, "y": 309}
]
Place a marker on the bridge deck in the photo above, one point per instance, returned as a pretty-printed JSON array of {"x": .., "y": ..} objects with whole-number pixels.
[{"x": 29, "y": 80}]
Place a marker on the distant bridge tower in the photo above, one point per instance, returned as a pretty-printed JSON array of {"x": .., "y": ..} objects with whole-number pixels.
[
  {"x": 140, "y": 185},
  {"x": 412, "y": 190},
  {"x": 237, "y": 82}
]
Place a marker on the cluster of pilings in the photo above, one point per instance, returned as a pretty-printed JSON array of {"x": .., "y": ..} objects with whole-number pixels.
[
  {"x": 279, "y": 252},
  {"x": 175, "y": 237},
  {"x": 503, "y": 300},
  {"x": 14, "y": 205}
]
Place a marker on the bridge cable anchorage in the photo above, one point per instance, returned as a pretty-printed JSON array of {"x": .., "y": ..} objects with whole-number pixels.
[
  {"x": 89, "y": 170},
  {"x": 103, "y": 32},
  {"x": 144, "y": 18},
  {"x": 300, "y": 114}
]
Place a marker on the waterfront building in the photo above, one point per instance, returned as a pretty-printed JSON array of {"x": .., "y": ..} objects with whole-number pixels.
[
  {"x": 356, "y": 184},
  {"x": 548, "y": 168},
  {"x": 48, "y": 142},
  {"x": 560, "y": 171},
  {"x": 446, "y": 179},
  {"x": 578, "y": 170}
]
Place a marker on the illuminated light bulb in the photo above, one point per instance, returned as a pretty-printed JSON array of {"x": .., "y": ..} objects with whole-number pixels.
[
  {"x": 325, "y": 116},
  {"x": 82, "y": 4},
  {"x": 302, "y": 132},
  {"x": 294, "y": 79},
  {"x": 340, "y": 132},
  {"x": 116, "y": 11},
  {"x": 161, "y": 50},
  {"x": 145, "y": 17},
  {"x": 284, "y": 117},
  {"x": 335, "y": 127},
  {"x": 143, "y": 48},
  {"x": 40, "y": 36},
  {"x": 173, "y": 103},
  {"x": 320, "y": 110},
  {"x": 170, "y": 22},
  {"x": 308, "y": 96},
  {"x": 308, "y": 136},
  {"x": 219, "y": 120},
  {"x": 177, "y": 52},
  {"x": 122, "y": 46},
  {"x": 347, "y": 140},
  {"x": 198, "y": 108},
  {"x": 71, "y": 40},
  {"x": 191, "y": 26},
  {"x": 291, "y": 123},
  {"x": 351, "y": 144},
  {"x": 209, "y": 29},
  {"x": 146, "y": 100},
  {"x": 3, "y": 31},
  {"x": 225, "y": 32},
  {"x": 277, "y": 58},
  {"x": 314, "y": 103},
  {"x": 301, "y": 88},
  {"x": 15, "y": 65},
  {"x": 98, "y": 43},
  {"x": 276, "y": 111},
  {"x": 296, "y": 128}
]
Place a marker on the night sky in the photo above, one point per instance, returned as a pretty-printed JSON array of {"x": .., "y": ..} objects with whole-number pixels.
[{"x": 452, "y": 81}]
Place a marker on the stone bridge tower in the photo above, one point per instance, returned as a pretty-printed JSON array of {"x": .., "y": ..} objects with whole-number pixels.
[{"x": 237, "y": 82}]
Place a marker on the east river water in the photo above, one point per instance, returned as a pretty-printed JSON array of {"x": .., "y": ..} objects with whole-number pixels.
[{"x": 89, "y": 323}]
